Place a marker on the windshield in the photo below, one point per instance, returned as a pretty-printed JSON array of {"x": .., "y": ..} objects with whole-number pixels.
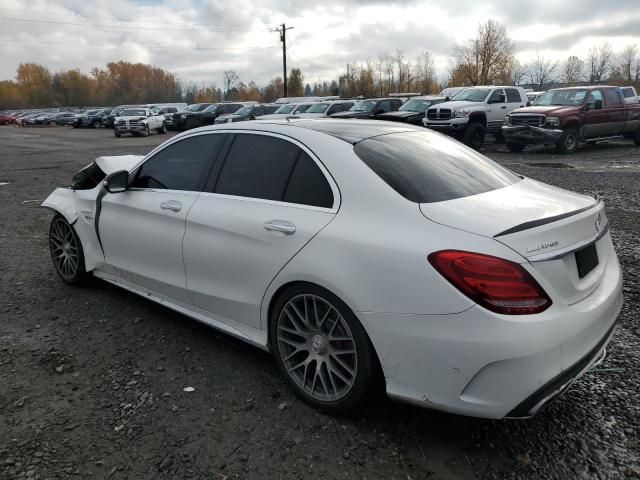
[
  {"x": 473, "y": 95},
  {"x": 419, "y": 106},
  {"x": 318, "y": 108},
  {"x": 302, "y": 108},
  {"x": 568, "y": 97},
  {"x": 426, "y": 168},
  {"x": 363, "y": 106},
  {"x": 288, "y": 108},
  {"x": 157, "y": 110},
  {"x": 133, "y": 112},
  {"x": 211, "y": 108},
  {"x": 244, "y": 110},
  {"x": 196, "y": 107}
]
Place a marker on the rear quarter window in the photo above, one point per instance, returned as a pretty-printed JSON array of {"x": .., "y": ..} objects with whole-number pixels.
[{"x": 424, "y": 167}]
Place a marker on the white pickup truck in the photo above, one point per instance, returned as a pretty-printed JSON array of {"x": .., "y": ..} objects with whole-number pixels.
[
  {"x": 138, "y": 121},
  {"x": 474, "y": 112}
]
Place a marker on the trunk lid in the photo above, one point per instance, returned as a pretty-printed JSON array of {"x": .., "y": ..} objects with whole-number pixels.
[{"x": 545, "y": 224}]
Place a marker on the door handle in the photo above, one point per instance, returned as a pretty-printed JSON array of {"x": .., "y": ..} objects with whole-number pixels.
[
  {"x": 280, "y": 226},
  {"x": 172, "y": 205},
  {"x": 504, "y": 107}
]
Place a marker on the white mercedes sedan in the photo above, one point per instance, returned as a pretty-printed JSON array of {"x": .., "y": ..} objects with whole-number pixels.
[{"x": 360, "y": 253}]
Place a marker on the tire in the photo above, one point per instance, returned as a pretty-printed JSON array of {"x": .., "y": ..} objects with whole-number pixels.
[
  {"x": 515, "y": 147},
  {"x": 96, "y": 124},
  {"x": 161, "y": 130},
  {"x": 636, "y": 138},
  {"x": 568, "y": 142},
  {"x": 307, "y": 357},
  {"x": 66, "y": 251},
  {"x": 474, "y": 135},
  {"x": 499, "y": 137},
  {"x": 117, "y": 134},
  {"x": 146, "y": 131}
]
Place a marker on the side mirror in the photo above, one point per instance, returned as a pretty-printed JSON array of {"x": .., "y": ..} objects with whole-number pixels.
[
  {"x": 117, "y": 182},
  {"x": 528, "y": 104},
  {"x": 598, "y": 104}
]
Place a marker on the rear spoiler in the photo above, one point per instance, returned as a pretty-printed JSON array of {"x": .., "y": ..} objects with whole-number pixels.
[{"x": 546, "y": 220}]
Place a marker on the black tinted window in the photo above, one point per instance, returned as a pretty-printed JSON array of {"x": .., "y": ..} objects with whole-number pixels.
[
  {"x": 495, "y": 96},
  {"x": 385, "y": 106},
  {"x": 425, "y": 168},
  {"x": 513, "y": 96},
  {"x": 308, "y": 185},
  {"x": 627, "y": 92},
  {"x": 612, "y": 98},
  {"x": 182, "y": 165},
  {"x": 257, "y": 166},
  {"x": 230, "y": 107}
]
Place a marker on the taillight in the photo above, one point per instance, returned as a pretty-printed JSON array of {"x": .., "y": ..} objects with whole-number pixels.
[{"x": 497, "y": 284}]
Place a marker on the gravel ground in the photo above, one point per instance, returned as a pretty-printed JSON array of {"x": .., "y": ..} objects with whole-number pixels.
[{"x": 92, "y": 379}]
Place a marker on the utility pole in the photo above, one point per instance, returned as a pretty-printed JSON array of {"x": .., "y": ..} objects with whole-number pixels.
[{"x": 283, "y": 38}]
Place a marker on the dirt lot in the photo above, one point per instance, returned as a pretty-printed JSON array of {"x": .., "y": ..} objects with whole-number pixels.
[{"x": 92, "y": 379}]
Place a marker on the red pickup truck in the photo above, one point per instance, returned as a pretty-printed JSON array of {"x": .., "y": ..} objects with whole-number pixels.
[{"x": 564, "y": 117}]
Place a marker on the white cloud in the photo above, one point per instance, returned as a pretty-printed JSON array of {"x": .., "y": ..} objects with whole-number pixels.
[{"x": 199, "y": 39}]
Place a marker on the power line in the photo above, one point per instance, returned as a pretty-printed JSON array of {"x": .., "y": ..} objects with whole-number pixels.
[
  {"x": 312, "y": 65},
  {"x": 77, "y": 15},
  {"x": 129, "y": 27},
  {"x": 123, "y": 45}
]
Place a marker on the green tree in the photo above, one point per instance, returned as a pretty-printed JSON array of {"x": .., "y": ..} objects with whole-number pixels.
[{"x": 295, "y": 85}]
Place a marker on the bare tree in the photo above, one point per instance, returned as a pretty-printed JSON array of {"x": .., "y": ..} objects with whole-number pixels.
[
  {"x": 380, "y": 70},
  {"x": 484, "y": 58},
  {"x": 540, "y": 71},
  {"x": 599, "y": 62},
  {"x": 424, "y": 72},
  {"x": 573, "y": 70},
  {"x": 388, "y": 69},
  {"x": 230, "y": 79},
  {"x": 629, "y": 64},
  {"x": 516, "y": 72},
  {"x": 399, "y": 59}
]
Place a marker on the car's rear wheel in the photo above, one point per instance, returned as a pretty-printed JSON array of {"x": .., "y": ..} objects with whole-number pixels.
[
  {"x": 515, "y": 147},
  {"x": 66, "y": 251},
  {"x": 321, "y": 348},
  {"x": 568, "y": 142},
  {"x": 474, "y": 135},
  {"x": 96, "y": 124},
  {"x": 636, "y": 139}
]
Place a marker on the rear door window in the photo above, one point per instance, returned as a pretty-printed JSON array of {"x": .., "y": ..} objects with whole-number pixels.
[
  {"x": 513, "y": 95},
  {"x": 308, "y": 185},
  {"x": 424, "y": 168},
  {"x": 257, "y": 166},
  {"x": 612, "y": 98}
]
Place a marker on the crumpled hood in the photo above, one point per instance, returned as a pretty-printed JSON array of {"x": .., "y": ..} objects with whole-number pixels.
[
  {"x": 116, "y": 163},
  {"x": 548, "y": 110}
]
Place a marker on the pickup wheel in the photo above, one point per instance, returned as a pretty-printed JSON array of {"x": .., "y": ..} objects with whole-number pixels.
[
  {"x": 636, "y": 138},
  {"x": 474, "y": 135},
  {"x": 568, "y": 142},
  {"x": 515, "y": 147},
  {"x": 146, "y": 131},
  {"x": 117, "y": 134},
  {"x": 161, "y": 129},
  {"x": 499, "y": 137}
]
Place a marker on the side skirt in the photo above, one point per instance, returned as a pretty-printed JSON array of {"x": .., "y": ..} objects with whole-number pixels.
[{"x": 239, "y": 330}]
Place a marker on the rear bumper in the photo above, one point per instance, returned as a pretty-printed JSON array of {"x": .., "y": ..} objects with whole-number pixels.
[
  {"x": 487, "y": 365},
  {"x": 530, "y": 135}
]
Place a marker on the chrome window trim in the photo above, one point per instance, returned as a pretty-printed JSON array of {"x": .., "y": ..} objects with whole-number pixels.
[{"x": 337, "y": 197}]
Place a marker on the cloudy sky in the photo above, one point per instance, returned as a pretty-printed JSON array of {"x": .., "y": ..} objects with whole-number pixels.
[{"x": 199, "y": 39}]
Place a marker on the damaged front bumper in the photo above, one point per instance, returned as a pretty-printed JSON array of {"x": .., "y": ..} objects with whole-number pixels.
[{"x": 530, "y": 135}]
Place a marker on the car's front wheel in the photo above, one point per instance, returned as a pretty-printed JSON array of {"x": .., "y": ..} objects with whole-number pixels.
[
  {"x": 66, "y": 251},
  {"x": 568, "y": 142},
  {"x": 474, "y": 135},
  {"x": 321, "y": 348}
]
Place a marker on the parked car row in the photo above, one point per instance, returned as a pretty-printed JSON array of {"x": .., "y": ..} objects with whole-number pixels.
[{"x": 562, "y": 117}]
